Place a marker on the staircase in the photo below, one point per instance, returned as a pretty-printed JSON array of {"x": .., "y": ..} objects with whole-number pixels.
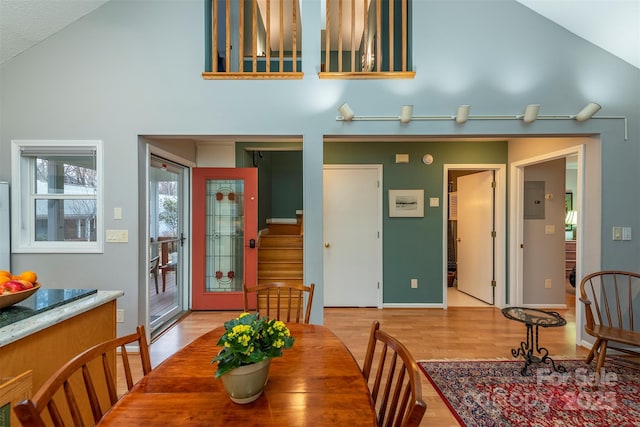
[{"x": 280, "y": 251}]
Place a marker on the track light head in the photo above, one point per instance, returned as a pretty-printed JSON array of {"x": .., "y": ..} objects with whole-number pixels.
[
  {"x": 346, "y": 111},
  {"x": 406, "y": 113},
  {"x": 587, "y": 112},
  {"x": 462, "y": 115},
  {"x": 531, "y": 113}
]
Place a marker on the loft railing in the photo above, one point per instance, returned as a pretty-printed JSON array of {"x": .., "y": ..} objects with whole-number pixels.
[
  {"x": 261, "y": 39},
  {"x": 366, "y": 39},
  {"x": 267, "y": 33}
]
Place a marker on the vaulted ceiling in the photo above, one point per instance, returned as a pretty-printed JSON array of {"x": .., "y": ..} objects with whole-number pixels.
[{"x": 609, "y": 24}]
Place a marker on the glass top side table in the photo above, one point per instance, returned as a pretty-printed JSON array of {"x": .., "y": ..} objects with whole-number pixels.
[{"x": 539, "y": 318}]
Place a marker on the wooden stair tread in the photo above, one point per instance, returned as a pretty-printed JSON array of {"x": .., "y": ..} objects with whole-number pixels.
[{"x": 280, "y": 251}]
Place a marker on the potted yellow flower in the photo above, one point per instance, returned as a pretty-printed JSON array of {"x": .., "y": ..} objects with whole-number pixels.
[{"x": 248, "y": 345}]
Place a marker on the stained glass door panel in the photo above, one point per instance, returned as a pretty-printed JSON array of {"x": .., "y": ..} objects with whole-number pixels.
[{"x": 225, "y": 234}]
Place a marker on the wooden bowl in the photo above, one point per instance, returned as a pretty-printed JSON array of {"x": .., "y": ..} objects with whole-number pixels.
[{"x": 11, "y": 299}]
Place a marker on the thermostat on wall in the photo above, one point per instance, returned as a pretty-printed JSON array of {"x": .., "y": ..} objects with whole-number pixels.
[{"x": 427, "y": 159}]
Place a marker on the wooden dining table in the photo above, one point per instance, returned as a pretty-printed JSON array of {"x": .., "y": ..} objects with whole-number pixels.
[{"x": 317, "y": 382}]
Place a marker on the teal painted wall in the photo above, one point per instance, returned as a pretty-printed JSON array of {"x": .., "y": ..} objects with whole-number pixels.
[
  {"x": 286, "y": 185},
  {"x": 279, "y": 178},
  {"x": 412, "y": 247}
]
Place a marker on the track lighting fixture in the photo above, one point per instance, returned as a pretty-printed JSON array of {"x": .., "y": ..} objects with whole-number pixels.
[
  {"x": 406, "y": 113},
  {"x": 531, "y": 113},
  {"x": 587, "y": 112},
  {"x": 462, "y": 114},
  {"x": 346, "y": 111}
]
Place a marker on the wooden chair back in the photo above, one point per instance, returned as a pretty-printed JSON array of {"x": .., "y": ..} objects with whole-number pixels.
[
  {"x": 154, "y": 264},
  {"x": 84, "y": 388},
  {"x": 609, "y": 298},
  {"x": 281, "y": 301},
  {"x": 12, "y": 391},
  {"x": 396, "y": 389}
]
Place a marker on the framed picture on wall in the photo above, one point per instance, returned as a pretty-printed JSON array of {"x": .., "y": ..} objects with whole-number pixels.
[{"x": 406, "y": 203}]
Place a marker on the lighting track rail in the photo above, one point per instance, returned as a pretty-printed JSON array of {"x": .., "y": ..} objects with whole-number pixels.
[{"x": 529, "y": 116}]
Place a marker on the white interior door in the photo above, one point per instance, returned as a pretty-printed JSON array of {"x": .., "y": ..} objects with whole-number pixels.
[
  {"x": 352, "y": 235},
  {"x": 475, "y": 262}
]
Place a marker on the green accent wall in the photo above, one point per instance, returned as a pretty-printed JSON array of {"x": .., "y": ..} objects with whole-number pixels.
[
  {"x": 412, "y": 247},
  {"x": 279, "y": 178}
]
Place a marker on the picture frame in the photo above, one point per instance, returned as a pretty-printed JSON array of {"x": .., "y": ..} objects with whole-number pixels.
[{"x": 406, "y": 203}]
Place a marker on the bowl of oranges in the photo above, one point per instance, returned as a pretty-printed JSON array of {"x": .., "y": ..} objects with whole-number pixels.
[{"x": 15, "y": 288}]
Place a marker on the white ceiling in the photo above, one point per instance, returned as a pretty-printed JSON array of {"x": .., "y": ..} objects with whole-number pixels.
[
  {"x": 610, "y": 24},
  {"x": 613, "y": 25}
]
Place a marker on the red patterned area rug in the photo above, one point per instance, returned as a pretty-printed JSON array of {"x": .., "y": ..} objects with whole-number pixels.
[{"x": 494, "y": 393}]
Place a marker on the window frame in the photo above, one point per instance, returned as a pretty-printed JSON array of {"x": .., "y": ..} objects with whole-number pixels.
[{"x": 23, "y": 197}]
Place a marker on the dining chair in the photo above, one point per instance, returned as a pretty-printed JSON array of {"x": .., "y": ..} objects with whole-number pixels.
[
  {"x": 153, "y": 269},
  {"x": 282, "y": 301},
  {"x": 610, "y": 302},
  {"x": 396, "y": 389},
  {"x": 12, "y": 391},
  {"x": 80, "y": 393}
]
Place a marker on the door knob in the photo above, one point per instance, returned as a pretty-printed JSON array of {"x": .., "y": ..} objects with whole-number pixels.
[{"x": 326, "y": 244}]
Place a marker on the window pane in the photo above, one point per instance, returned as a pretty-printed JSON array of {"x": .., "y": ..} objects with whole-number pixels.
[
  {"x": 66, "y": 175},
  {"x": 59, "y": 220}
]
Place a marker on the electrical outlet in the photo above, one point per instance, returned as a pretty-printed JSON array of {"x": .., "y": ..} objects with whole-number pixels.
[
  {"x": 547, "y": 283},
  {"x": 120, "y": 315},
  {"x": 414, "y": 283}
]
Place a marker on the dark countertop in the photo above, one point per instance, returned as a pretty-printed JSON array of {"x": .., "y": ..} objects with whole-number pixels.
[{"x": 43, "y": 300}]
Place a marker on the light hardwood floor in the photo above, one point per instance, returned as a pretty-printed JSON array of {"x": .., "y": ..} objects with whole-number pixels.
[{"x": 430, "y": 334}]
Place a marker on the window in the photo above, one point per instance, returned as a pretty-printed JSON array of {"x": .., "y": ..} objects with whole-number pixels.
[{"x": 57, "y": 196}]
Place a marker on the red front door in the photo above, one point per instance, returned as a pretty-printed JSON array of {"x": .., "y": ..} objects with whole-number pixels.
[{"x": 225, "y": 233}]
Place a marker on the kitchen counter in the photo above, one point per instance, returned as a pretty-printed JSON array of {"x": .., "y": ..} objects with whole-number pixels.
[
  {"x": 47, "y": 329},
  {"x": 48, "y": 307}
]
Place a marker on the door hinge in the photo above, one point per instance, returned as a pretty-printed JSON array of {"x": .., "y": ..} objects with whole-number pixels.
[
  {"x": 493, "y": 283},
  {"x": 494, "y": 234},
  {"x": 493, "y": 184},
  {"x": 378, "y": 285}
]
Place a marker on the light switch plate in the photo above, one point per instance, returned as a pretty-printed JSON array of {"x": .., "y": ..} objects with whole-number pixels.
[
  {"x": 626, "y": 233},
  {"x": 549, "y": 229},
  {"x": 617, "y": 233},
  {"x": 117, "y": 236},
  {"x": 117, "y": 213},
  {"x": 434, "y": 202}
]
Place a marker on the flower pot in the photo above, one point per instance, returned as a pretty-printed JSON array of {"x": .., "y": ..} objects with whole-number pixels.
[{"x": 246, "y": 383}]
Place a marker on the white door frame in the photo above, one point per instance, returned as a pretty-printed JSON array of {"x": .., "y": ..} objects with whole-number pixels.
[
  {"x": 378, "y": 168},
  {"x": 501, "y": 227},
  {"x": 516, "y": 229},
  {"x": 143, "y": 291}
]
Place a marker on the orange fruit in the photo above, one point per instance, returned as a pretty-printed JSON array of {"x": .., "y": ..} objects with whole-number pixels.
[
  {"x": 5, "y": 273},
  {"x": 29, "y": 276},
  {"x": 4, "y": 279}
]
